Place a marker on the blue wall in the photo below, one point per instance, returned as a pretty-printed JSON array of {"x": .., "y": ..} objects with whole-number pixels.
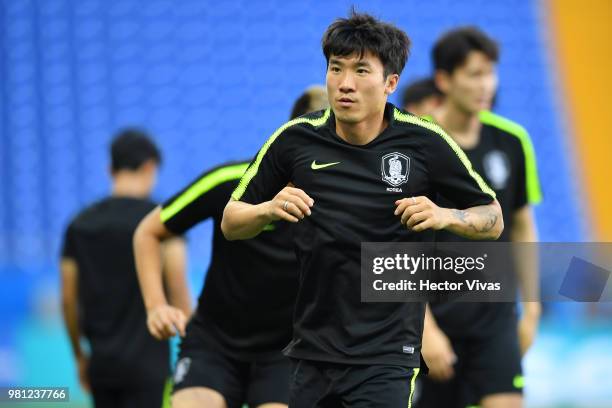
[{"x": 211, "y": 81}]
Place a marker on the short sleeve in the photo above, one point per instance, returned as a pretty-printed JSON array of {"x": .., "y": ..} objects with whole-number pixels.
[
  {"x": 452, "y": 174},
  {"x": 526, "y": 158},
  {"x": 269, "y": 171},
  {"x": 521, "y": 198},
  {"x": 203, "y": 198},
  {"x": 530, "y": 179}
]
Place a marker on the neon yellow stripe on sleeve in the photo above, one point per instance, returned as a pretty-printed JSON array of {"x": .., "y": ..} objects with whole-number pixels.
[
  {"x": 403, "y": 117},
  {"x": 252, "y": 171},
  {"x": 534, "y": 193},
  {"x": 202, "y": 186}
]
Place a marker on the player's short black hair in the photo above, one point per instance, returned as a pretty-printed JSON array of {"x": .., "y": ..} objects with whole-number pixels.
[
  {"x": 131, "y": 148},
  {"x": 452, "y": 49},
  {"x": 314, "y": 98},
  {"x": 418, "y": 90},
  {"x": 360, "y": 33}
]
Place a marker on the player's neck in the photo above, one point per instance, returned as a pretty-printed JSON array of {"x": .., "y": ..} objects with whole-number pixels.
[
  {"x": 126, "y": 184},
  {"x": 363, "y": 132},
  {"x": 464, "y": 127}
]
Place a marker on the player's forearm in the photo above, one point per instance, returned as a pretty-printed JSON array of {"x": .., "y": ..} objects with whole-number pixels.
[
  {"x": 69, "y": 311},
  {"x": 179, "y": 295},
  {"x": 175, "y": 272},
  {"x": 523, "y": 226},
  {"x": 244, "y": 221},
  {"x": 70, "y": 302},
  {"x": 181, "y": 298},
  {"x": 524, "y": 235},
  {"x": 430, "y": 321},
  {"x": 148, "y": 258},
  {"x": 480, "y": 222}
]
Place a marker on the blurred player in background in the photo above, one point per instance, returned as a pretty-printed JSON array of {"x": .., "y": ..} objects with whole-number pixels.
[
  {"x": 422, "y": 97},
  {"x": 232, "y": 351},
  {"x": 100, "y": 293},
  {"x": 351, "y": 186},
  {"x": 313, "y": 99},
  {"x": 474, "y": 350}
]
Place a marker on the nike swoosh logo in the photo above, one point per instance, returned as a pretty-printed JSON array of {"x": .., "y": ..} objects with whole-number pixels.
[{"x": 316, "y": 166}]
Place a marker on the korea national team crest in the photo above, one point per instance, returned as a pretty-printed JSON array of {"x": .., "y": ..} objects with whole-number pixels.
[
  {"x": 497, "y": 169},
  {"x": 395, "y": 168}
]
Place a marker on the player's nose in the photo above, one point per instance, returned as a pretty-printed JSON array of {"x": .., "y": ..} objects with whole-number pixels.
[{"x": 347, "y": 83}]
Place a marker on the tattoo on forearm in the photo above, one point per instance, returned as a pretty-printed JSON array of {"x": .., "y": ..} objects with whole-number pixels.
[
  {"x": 461, "y": 215},
  {"x": 490, "y": 221},
  {"x": 487, "y": 221}
]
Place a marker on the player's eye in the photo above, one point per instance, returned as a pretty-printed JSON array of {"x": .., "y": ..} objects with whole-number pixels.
[
  {"x": 334, "y": 69},
  {"x": 362, "y": 71}
]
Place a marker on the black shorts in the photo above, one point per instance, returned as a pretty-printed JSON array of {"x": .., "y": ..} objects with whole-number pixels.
[
  {"x": 203, "y": 363},
  {"x": 485, "y": 366},
  {"x": 321, "y": 384},
  {"x": 144, "y": 396}
]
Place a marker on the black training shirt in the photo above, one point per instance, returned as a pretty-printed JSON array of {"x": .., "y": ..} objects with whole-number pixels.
[
  {"x": 112, "y": 312},
  {"x": 505, "y": 158},
  {"x": 354, "y": 189},
  {"x": 247, "y": 301}
]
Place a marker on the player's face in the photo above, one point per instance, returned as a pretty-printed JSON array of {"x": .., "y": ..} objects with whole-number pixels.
[
  {"x": 357, "y": 88},
  {"x": 472, "y": 86}
]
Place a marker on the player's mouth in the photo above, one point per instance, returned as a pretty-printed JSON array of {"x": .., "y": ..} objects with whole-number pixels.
[{"x": 346, "y": 102}]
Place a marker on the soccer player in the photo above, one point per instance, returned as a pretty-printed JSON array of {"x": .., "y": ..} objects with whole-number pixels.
[
  {"x": 472, "y": 349},
  {"x": 100, "y": 293},
  {"x": 421, "y": 97},
  {"x": 362, "y": 171},
  {"x": 232, "y": 351}
]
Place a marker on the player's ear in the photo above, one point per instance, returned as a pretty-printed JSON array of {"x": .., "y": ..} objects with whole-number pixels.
[
  {"x": 442, "y": 80},
  {"x": 391, "y": 83}
]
